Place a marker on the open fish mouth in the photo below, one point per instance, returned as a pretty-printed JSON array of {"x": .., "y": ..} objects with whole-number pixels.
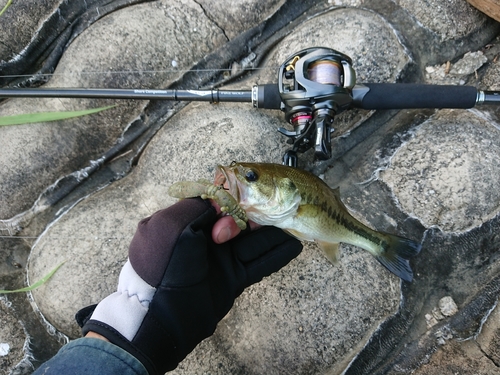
[{"x": 225, "y": 177}]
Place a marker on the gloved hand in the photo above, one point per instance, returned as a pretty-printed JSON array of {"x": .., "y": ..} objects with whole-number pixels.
[{"x": 178, "y": 284}]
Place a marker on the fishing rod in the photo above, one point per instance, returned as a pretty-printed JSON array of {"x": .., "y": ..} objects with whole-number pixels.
[{"x": 314, "y": 85}]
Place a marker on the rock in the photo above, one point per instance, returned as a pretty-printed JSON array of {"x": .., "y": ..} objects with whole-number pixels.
[
  {"x": 19, "y": 22},
  {"x": 13, "y": 340},
  {"x": 188, "y": 149},
  {"x": 449, "y": 20},
  {"x": 313, "y": 300},
  {"x": 447, "y": 306},
  {"x": 4, "y": 349},
  {"x": 160, "y": 32},
  {"x": 469, "y": 64},
  {"x": 443, "y": 173},
  {"x": 437, "y": 313},
  {"x": 489, "y": 338},
  {"x": 241, "y": 16},
  {"x": 431, "y": 320},
  {"x": 491, "y": 78},
  {"x": 455, "y": 74},
  {"x": 310, "y": 303},
  {"x": 464, "y": 358},
  {"x": 424, "y": 174}
]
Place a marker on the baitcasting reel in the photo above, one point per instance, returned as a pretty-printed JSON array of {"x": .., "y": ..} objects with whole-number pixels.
[{"x": 314, "y": 84}]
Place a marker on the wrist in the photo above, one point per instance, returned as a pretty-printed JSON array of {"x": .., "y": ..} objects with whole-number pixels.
[{"x": 95, "y": 335}]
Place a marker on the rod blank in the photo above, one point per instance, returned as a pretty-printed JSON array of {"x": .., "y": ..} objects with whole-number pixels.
[{"x": 141, "y": 94}]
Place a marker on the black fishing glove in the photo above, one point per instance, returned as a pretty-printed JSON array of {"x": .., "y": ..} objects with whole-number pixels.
[{"x": 178, "y": 284}]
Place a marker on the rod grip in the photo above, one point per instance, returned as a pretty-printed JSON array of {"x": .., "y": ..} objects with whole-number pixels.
[
  {"x": 413, "y": 95},
  {"x": 268, "y": 96}
]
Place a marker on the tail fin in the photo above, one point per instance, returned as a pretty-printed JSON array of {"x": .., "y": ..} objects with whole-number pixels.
[{"x": 396, "y": 254}]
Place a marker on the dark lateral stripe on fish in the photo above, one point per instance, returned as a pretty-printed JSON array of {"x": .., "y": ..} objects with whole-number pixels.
[{"x": 346, "y": 223}]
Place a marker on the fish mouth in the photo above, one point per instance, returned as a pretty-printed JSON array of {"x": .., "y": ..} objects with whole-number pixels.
[{"x": 225, "y": 177}]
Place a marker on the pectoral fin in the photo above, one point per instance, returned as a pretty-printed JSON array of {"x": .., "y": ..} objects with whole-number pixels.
[
  {"x": 331, "y": 250},
  {"x": 298, "y": 235}
]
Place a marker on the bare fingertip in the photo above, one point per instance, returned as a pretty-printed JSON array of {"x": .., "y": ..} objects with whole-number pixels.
[{"x": 223, "y": 235}]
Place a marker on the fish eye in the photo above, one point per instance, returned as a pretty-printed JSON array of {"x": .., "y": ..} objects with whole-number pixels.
[
  {"x": 233, "y": 163},
  {"x": 251, "y": 176}
]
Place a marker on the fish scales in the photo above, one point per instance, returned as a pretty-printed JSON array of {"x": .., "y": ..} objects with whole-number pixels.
[
  {"x": 307, "y": 182},
  {"x": 303, "y": 205}
]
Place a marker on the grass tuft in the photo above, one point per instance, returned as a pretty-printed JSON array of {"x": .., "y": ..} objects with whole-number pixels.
[
  {"x": 29, "y": 118},
  {"x": 40, "y": 282}
]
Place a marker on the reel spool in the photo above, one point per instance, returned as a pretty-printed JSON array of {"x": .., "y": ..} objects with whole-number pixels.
[{"x": 314, "y": 84}]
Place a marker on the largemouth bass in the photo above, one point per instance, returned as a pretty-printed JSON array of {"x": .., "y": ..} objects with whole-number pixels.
[{"x": 301, "y": 204}]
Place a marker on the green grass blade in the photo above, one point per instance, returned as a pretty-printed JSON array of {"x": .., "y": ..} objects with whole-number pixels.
[
  {"x": 5, "y": 7},
  {"x": 40, "y": 282},
  {"x": 47, "y": 116}
]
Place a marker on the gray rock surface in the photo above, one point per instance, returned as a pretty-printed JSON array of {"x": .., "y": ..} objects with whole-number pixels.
[
  {"x": 12, "y": 339},
  {"x": 153, "y": 37},
  {"x": 104, "y": 232},
  {"x": 425, "y": 174},
  {"x": 168, "y": 159},
  {"x": 489, "y": 338},
  {"x": 454, "y": 74},
  {"x": 240, "y": 16},
  {"x": 20, "y": 23},
  {"x": 444, "y": 173},
  {"x": 447, "y": 19}
]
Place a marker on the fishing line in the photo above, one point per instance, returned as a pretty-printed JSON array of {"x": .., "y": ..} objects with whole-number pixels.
[{"x": 135, "y": 72}]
